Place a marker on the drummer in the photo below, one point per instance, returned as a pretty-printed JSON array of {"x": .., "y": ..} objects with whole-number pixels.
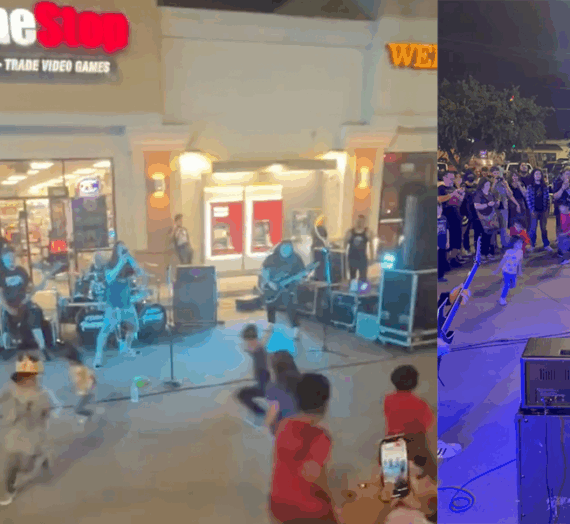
[
  {"x": 119, "y": 308},
  {"x": 96, "y": 278}
]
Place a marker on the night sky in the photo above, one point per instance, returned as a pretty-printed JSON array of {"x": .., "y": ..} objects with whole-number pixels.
[{"x": 506, "y": 43}]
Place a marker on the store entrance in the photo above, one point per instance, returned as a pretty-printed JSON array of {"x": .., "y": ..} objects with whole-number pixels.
[{"x": 37, "y": 229}]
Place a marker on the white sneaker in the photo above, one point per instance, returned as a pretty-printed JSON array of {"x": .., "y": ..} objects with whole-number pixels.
[
  {"x": 446, "y": 451},
  {"x": 549, "y": 249},
  {"x": 296, "y": 333},
  {"x": 7, "y": 500},
  {"x": 255, "y": 421},
  {"x": 97, "y": 363},
  {"x": 503, "y": 301}
]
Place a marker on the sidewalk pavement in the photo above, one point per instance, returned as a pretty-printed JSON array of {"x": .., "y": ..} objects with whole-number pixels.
[{"x": 538, "y": 306}]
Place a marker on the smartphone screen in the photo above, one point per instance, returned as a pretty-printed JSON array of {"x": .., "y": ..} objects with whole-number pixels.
[{"x": 394, "y": 462}]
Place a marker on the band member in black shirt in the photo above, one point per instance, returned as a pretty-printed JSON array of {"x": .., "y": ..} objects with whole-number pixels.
[
  {"x": 21, "y": 316},
  {"x": 281, "y": 264},
  {"x": 358, "y": 241}
]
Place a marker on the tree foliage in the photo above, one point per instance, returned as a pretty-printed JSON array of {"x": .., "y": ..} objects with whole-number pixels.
[{"x": 474, "y": 117}]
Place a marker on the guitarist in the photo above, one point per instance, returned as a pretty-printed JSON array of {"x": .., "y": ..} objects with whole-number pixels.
[
  {"x": 281, "y": 264},
  {"x": 22, "y": 317}
]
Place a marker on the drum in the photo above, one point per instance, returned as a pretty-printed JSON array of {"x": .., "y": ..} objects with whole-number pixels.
[
  {"x": 152, "y": 321},
  {"x": 88, "y": 323}
]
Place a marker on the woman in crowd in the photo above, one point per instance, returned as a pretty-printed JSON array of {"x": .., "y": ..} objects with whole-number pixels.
[
  {"x": 487, "y": 222},
  {"x": 519, "y": 192},
  {"x": 538, "y": 201},
  {"x": 451, "y": 198}
]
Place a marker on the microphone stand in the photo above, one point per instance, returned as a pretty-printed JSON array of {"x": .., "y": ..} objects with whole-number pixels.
[{"x": 172, "y": 383}]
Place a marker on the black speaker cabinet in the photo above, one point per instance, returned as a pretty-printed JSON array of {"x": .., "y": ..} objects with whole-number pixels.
[
  {"x": 419, "y": 250},
  {"x": 542, "y": 468},
  {"x": 338, "y": 265},
  {"x": 195, "y": 296},
  {"x": 408, "y": 316}
]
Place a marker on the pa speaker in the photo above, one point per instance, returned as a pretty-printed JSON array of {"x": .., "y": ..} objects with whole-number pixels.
[
  {"x": 419, "y": 250},
  {"x": 195, "y": 295},
  {"x": 338, "y": 264}
]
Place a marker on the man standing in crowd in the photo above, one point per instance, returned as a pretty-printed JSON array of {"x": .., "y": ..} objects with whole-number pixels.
[
  {"x": 451, "y": 198},
  {"x": 26, "y": 412},
  {"x": 467, "y": 210},
  {"x": 359, "y": 243},
  {"x": 181, "y": 241},
  {"x": 281, "y": 264},
  {"x": 21, "y": 317}
]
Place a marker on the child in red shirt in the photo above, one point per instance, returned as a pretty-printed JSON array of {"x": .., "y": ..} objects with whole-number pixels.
[
  {"x": 408, "y": 414},
  {"x": 518, "y": 230},
  {"x": 563, "y": 233}
]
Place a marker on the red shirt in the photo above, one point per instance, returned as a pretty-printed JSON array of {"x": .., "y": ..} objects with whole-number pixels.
[
  {"x": 564, "y": 223},
  {"x": 292, "y": 496},
  {"x": 405, "y": 413},
  {"x": 523, "y": 234}
]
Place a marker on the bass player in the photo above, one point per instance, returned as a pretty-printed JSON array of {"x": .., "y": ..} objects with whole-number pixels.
[{"x": 283, "y": 262}]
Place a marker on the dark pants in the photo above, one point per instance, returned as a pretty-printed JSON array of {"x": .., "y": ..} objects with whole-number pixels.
[
  {"x": 540, "y": 219},
  {"x": 358, "y": 265},
  {"x": 83, "y": 401},
  {"x": 487, "y": 248},
  {"x": 289, "y": 301},
  {"x": 184, "y": 253},
  {"x": 442, "y": 265},
  {"x": 454, "y": 223},
  {"x": 247, "y": 395}
]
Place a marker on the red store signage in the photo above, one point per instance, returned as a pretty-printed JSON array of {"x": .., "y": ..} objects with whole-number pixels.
[{"x": 52, "y": 26}]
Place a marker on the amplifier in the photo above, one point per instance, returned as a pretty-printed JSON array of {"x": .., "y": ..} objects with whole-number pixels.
[
  {"x": 344, "y": 309},
  {"x": 545, "y": 373},
  {"x": 195, "y": 296},
  {"x": 543, "y": 487}
]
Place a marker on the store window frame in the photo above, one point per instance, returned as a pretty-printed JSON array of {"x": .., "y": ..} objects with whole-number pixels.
[{"x": 62, "y": 161}]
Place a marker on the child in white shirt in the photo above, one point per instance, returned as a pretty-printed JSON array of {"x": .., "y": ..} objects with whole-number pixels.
[{"x": 511, "y": 266}]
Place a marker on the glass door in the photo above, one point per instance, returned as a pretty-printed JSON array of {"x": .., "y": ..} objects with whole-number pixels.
[{"x": 14, "y": 228}]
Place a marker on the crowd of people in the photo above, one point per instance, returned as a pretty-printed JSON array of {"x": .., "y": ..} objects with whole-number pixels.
[
  {"x": 505, "y": 211},
  {"x": 297, "y": 403}
]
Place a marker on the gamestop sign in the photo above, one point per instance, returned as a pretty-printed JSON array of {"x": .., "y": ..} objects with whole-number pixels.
[{"x": 60, "y": 43}]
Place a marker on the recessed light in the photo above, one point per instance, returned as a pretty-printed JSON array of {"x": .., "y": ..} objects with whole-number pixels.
[
  {"x": 17, "y": 178},
  {"x": 41, "y": 165},
  {"x": 9, "y": 182},
  {"x": 33, "y": 172}
]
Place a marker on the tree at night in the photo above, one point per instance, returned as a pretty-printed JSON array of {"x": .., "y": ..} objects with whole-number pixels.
[{"x": 473, "y": 117}]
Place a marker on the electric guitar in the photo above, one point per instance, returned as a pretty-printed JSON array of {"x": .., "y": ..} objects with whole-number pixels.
[
  {"x": 444, "y": 321},
  {"x": 272, "y": 289}
]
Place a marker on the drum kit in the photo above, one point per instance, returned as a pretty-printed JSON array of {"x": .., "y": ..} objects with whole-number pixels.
[{"x": 86, "y": 309}]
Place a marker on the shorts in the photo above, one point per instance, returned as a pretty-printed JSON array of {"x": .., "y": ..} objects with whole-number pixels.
[{"x": 115, "y": 317}]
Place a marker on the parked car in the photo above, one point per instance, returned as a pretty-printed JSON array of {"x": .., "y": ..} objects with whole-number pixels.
[{"x": 514, "y": 166}]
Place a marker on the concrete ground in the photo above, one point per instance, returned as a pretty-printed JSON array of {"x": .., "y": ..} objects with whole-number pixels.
[
  {"x": 188, "y": 454},
  {"x": 481, "y": 396}
]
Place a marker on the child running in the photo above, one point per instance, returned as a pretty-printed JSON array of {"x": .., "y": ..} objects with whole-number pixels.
[
  {"x": 282, "y": 392},
  {"x": 511, "y": 266},
  {"x": 518, "y": 230},
  {"x": 83, "y": 379}
]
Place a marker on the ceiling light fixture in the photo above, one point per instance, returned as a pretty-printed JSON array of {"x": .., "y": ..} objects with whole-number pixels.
[
  {"x": 41, "y": 165},
  {"x": 17, "y": 178},
  {"x": 102, "y": 164},
  {"x": 9, "y": 182},
  {"x": 33, "y": 172}
]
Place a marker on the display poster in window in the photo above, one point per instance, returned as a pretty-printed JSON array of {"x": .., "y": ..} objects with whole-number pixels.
[
  {"x": 227, "y": 228},
  {"x": 90, "y": 223},
  {"x": 267, "y": 225}
]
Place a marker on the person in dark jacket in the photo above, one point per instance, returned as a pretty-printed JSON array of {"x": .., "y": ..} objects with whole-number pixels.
[{"x": 538, "y": 201}]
